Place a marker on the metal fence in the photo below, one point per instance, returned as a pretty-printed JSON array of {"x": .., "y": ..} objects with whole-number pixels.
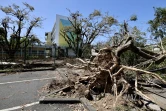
[{"x": 35, "y": 52}]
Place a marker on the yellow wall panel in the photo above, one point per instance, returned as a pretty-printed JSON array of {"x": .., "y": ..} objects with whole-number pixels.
[{"x": 62, "y": 41}]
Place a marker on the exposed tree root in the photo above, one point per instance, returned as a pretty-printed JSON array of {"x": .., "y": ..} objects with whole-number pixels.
[
  {"x": 109, "y": 72},
  {"x": 139, "y": 92},
  {"x": 124, "y": 90},
  {"x": 146, "y": 72}
]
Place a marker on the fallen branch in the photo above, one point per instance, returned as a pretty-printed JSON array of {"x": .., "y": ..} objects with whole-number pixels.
[
  {"x": 143, "y": 71},
  {"x": 82, "y": 61},
  {"x": 74, "y": 66},
  {"x": 156, "y": 60}
]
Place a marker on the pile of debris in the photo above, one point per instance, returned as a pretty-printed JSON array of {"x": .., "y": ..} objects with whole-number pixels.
[{"x": 106, "y": 74}]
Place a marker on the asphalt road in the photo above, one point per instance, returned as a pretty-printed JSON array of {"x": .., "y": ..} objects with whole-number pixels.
[
  {"x": 18, "y": 90},
  {"x": 159, "y": 95},
  {"x": 56, "y": 107}
]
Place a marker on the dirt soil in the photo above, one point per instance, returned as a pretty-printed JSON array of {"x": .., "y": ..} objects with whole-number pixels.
[{"x": 71, "y": 78}]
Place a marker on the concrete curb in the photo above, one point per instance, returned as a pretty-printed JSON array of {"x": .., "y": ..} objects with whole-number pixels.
[
  {"x": 28, "y": 70},
  {"x": 84, "y": 101},
  {"x": 60, "y": 100}
]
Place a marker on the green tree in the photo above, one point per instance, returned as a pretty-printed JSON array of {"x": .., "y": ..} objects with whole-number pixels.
[
  {"x": 84, "y": 30},
  {"x": 158, "y": 24},
  {"x": 13, "y": 26}
]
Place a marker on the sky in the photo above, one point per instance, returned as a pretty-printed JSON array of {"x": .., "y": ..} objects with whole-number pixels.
[{"x": 120, "y": 9}]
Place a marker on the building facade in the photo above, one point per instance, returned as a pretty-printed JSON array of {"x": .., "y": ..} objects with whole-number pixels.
[{"x": 57, "y": 40}]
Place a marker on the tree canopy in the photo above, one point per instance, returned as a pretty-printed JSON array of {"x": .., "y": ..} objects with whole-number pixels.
[
  {"x": 15, "y": 25},
  {"x": 84, "y": 30},
  {"x": 158, "y": 24}
]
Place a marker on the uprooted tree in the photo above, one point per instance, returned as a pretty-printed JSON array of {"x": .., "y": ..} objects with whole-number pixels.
[
  {"x": 82, "y": 31},
  {"x": 17, "y": 25},
  {"x": 110, "y": 75}
]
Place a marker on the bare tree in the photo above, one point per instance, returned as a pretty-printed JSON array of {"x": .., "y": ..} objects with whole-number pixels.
[
  {"x": 83, "y": 31},
  {"x": 15, "y": 25}
]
